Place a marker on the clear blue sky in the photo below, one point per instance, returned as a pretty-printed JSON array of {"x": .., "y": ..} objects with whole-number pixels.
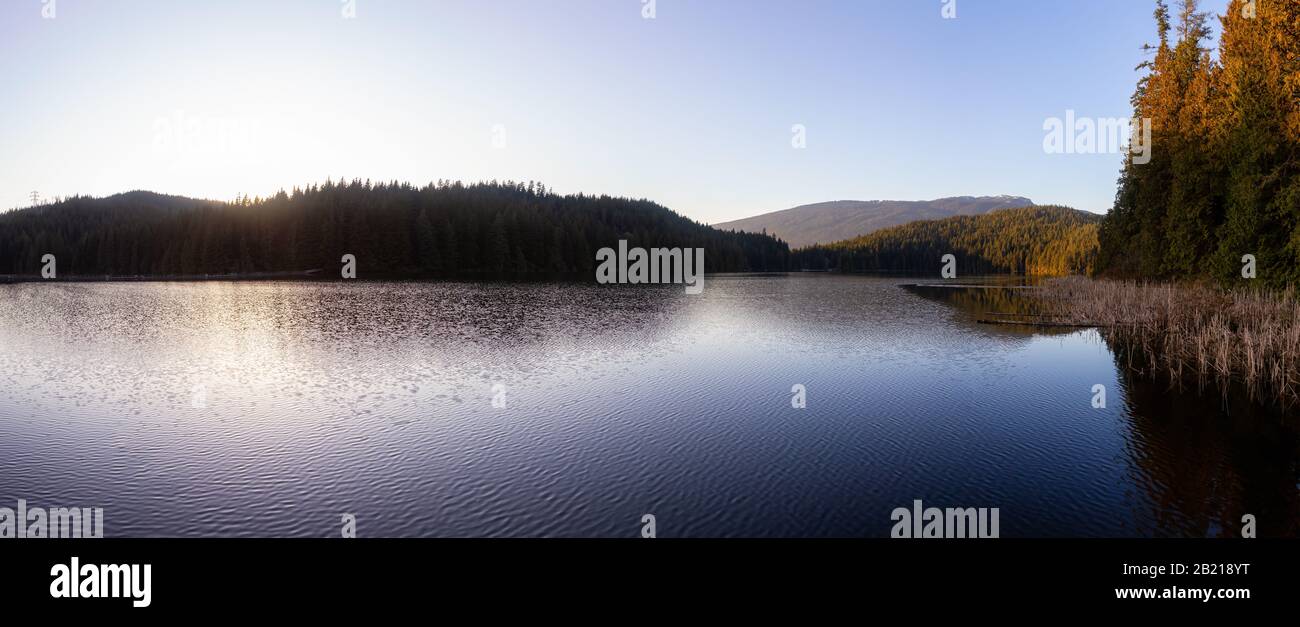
[{"x": 693, "y": 108}]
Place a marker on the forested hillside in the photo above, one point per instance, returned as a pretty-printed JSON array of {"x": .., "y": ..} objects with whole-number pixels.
[
  {"x": 393, "y": 229},
  {"x": 1224, "y": 176},
  {"x": 827, "y": 222},
  {"x": 1043, "y": 240}
]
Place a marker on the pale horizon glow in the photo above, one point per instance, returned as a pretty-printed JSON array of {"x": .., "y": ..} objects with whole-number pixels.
[{"x": 692, "y": 109}]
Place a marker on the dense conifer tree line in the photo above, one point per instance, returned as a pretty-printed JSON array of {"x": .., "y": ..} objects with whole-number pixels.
[
  {"x": 1224, "y": 176},
  {"x": 393, "y": 229},
  {"x": 1042, "y": 240}
]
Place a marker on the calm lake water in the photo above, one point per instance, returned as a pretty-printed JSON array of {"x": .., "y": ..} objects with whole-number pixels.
[{"x": 273, "y": 408}]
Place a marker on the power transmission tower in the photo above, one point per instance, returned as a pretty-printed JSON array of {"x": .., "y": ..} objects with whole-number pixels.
[{"x": 36, "y": 197}]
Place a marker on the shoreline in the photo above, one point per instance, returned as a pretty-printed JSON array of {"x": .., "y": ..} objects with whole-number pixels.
[
  {"x": 319, "y": 275},
  {"x": 1243, "y": 337}
]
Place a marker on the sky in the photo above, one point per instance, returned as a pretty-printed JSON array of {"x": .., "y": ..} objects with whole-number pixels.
[{"x": 717, "y": 109}]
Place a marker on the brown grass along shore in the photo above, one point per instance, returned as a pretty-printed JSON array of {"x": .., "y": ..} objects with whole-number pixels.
[{"x": 1248, "y": 337}]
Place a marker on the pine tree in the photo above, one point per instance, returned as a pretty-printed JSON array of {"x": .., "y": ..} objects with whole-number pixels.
[
  {"x": 1224, "y": 179},
  {"x": 427, "y": 237}
]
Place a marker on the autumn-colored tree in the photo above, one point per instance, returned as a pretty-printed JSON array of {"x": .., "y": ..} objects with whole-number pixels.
[{"x": 1224, "y": 177}]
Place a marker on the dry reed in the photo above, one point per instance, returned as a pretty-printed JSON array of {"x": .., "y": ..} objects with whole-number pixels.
[{"x": 1247, "y": 337}]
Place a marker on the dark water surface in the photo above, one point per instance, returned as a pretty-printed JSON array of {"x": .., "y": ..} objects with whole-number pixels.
[{"x": 273, "y": 408}]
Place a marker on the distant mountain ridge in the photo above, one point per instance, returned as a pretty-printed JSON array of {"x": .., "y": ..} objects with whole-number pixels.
[{"x": 826, "y": 222}]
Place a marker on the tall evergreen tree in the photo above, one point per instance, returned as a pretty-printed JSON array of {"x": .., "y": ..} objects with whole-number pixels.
[{"x": 1224, "y": 178}]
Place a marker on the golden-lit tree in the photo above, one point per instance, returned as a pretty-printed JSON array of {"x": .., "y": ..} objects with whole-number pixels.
[{"x": 1224, "y": 177}]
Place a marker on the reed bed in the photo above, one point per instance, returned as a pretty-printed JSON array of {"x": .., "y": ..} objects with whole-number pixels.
[{"x": 1247, "y": 337}]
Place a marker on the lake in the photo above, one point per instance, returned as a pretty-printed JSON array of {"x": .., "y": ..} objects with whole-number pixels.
[{"x": 567, "y": 409}]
